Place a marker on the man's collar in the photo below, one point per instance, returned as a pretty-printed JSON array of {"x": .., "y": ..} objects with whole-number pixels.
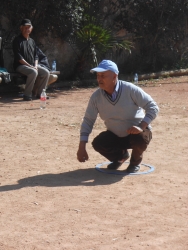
[
  {"x": 24, "y": 37},
  {"x": 115, "y": 90},
  {"x": 117, "y": 86}
]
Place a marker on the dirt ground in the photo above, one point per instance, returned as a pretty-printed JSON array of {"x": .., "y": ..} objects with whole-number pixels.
[{"x": 48, "y": 200}]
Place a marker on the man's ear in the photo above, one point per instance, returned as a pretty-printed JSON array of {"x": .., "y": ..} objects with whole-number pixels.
[{"x": 115, "y": 76}]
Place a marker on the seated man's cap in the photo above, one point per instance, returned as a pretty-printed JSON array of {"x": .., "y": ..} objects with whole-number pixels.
[
  {"x": 25, "y": 22},
  {"x": 106, "y": 65}
]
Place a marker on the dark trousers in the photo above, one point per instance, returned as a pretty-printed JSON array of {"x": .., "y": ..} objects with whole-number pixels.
[{"x": 113, "y": 147}]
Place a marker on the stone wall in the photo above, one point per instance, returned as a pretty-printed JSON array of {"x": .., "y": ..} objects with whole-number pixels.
[{"x": 62, "y": 52}]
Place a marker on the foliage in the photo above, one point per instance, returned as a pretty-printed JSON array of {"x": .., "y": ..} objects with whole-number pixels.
[
  {"x": 58, "y": 17},
  {"x": 94, "y": 40},
  {"x": 78, "y": 22},
  {"x": 158, "y": 27}
]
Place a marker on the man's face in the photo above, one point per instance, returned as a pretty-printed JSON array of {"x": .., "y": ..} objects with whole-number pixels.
[
  {"x": 106, "y": 80},
  {"x": 26, "y": 30}
]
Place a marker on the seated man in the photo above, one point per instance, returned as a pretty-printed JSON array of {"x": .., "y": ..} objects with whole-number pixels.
[
  {"x": 26, "y": 62},
  {"x": 43, "y": 61}
]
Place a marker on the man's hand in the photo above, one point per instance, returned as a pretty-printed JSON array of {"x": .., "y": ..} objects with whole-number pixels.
[
  {"x": 36, "y": 64},
  {"x": 134, "y": 130},
  {"x": 23, "y": 62},
  {"x": 34, "y": 67},
  {"x": 82, "y": 155},
  {"x": 137, "y": 129}
]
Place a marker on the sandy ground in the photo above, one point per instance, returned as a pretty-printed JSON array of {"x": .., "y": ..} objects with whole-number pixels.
[{"x": 48, "y": 200}]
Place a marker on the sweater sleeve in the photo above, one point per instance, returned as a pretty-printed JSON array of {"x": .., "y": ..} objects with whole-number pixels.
[
  {"x": 88, "y": 120},
  {"x": 151, "y": 110},
  {"x": 145, "y": 101}
]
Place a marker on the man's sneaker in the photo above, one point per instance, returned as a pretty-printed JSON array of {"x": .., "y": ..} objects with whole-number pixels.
[
  {"x": 117, "y": 164},
  {"x": 27, "y": 98},
  {"x": 132, "y": 169}
]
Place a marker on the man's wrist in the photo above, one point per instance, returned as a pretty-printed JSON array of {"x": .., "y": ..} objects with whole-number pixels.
[
  {"x": 82, "y": 144},
  {"x": 143, "y": 125}
]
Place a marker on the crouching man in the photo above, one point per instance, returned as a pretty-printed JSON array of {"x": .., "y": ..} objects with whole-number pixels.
[{"x": 121, "y": 106}]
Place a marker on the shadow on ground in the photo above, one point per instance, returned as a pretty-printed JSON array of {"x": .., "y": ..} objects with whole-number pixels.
[
  {"x": 17, "y": 97},
  {"x": 79, "y": 177}
]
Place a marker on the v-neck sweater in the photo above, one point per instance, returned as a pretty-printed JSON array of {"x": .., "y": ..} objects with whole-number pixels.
[{"x": 131, "y": 106}]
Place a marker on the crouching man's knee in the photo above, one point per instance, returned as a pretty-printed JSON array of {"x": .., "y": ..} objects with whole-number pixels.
[
  {"x": 141, "y": 140},
  {"x": 95, "y": 143}
]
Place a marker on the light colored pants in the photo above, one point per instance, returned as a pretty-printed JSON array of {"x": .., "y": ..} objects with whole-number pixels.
[{"x": 37, "y": 80}]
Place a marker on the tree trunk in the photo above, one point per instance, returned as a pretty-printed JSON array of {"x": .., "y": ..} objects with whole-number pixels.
[{"x": 180, "y": 72}]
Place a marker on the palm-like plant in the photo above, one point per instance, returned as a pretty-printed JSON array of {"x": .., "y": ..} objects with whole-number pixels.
[{"x": 94, "y": 41}]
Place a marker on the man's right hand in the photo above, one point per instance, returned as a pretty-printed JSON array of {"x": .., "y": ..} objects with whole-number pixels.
[
  {"x": 23, "y": 62},
  {"x": 34, "y": 67},
  {"x": 82, "y": 155}
]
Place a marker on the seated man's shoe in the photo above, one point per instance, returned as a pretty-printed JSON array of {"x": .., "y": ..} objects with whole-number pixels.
[
  {"x": 117, "y": 164},
  {"x": 132, "y": 169},
  {"x": 27, "y": 98}
]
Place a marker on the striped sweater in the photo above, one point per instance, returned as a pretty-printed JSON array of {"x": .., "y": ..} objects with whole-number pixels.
[{"x": 131, "y": 106}]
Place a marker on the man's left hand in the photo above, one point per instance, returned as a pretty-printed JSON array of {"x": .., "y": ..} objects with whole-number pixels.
[{"x": 134, "y": 130}]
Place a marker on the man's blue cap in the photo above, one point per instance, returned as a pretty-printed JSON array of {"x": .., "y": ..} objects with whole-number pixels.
[{"x": 106, "y": 65}]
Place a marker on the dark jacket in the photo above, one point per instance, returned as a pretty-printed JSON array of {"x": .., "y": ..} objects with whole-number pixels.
[
  {"x": 24, "y": 49},
  {"x": 42, "y": 59}
]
